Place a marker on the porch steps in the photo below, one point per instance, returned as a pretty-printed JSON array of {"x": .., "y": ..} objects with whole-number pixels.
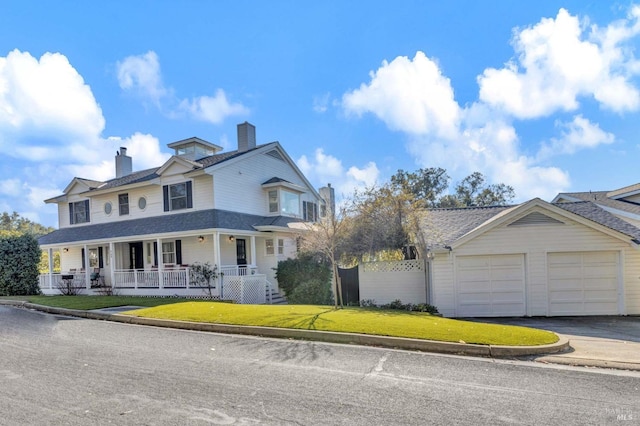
[{"x": 276, "y": 297}]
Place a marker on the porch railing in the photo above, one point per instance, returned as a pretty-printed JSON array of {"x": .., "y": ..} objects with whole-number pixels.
[
  {"x": 78, "y": 281},
  {"x": 137, "y": 278},
  {"x": 236, "y": 270}
]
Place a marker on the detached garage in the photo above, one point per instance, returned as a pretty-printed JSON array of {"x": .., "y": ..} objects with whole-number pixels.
[{"x": 534, "y": 259}]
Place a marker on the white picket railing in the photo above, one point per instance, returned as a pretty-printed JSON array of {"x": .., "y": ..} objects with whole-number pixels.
[
  {"x": 235, "y": 270},
  {"x": 242, "y": 285}
]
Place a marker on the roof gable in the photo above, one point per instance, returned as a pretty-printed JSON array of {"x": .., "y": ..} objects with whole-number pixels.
[{"x": 457, "y": 225}]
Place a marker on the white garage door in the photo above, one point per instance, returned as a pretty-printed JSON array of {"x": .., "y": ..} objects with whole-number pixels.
[
  {"x": 490, "y": 286},
  {"x": 583, "y": 283}
]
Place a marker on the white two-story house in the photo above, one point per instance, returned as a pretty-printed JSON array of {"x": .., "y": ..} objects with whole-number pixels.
[{"x": 141, "y": 230}]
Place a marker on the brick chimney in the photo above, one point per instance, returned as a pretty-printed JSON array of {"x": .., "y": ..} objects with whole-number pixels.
[
  {"x": 124, "y": 164},
  {"x": 246, "y": 136}
]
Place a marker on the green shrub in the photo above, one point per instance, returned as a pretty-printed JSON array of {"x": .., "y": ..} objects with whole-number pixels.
[
  {"x": 19, "y": 259},
  {"x": 311, "y": 292},
  {"x": 305, "y": 280},
  {"x": 398, "y": 305}
]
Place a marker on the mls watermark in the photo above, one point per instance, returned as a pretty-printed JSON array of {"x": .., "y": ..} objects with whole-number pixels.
[{"x": 622, "y": 414}]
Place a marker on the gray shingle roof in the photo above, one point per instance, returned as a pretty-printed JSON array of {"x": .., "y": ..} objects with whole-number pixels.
[
  {"x": 442, "y": 227},
  {"x": 590, "y": 210},
  {"x": 602, "y": 198},
  {"x": 181, "y": 222}
]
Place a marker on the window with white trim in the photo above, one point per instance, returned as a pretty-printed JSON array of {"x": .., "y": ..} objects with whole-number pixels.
[
  {"x": 284, "y": 202},
  {"x": 123, "y": 204},
  {"x": 168, "y": 252},
  {"x": 269, "y": 247},
  {"x": 280, "y": 246},
  {"x": 178, "y": 196},
  {"x": 79, "y": 212}
]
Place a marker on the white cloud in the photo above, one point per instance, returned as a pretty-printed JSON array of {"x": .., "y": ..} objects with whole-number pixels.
[
  {"x": 558, "y": 61},
  {"x": 55, "y": 127},
  {"x": 575, "y": 135},
  {"x": 408, "y": 95},
  {"x": 323, "y": 169},
  {"x": 44, "y": 97},
  {"x": 141, "y": 74},
  {"x": 12, "y": 187},
  {"x": 321, "y": 103},
  {"x": 213, "y": 109}
]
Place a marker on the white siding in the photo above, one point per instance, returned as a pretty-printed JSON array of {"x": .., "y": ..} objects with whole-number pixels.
[
  {"x": 238, "y": 186},
  {"x": 631, "y": 280},
  {"x": 535, "y": 242}
]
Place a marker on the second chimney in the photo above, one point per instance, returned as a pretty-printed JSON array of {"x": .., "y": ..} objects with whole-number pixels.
[
  {"x": 246, "y": 136},
  {"x": 124, "y": 165}
]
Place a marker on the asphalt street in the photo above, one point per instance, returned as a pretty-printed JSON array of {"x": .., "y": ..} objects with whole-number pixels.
[{"x": 63, "y": 371}]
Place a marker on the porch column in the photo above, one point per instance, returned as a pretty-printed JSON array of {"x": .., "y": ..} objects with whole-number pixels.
[
  {"x": 253, "y": 250},
  {"x": 50, "y": 253},
  {"x": 112, "y": 264},
  {"x": 216, "y": 249},
  {"x": 87, "y": 274},
  {"x": 160, "y": 264},
  {"x": 217, "y": 259}
]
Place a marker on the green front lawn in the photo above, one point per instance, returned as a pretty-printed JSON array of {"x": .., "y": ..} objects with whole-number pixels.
[
  {"x": 85, "y": 303},
  {"x": 351, "y": 320},
  {"x": 416, "y": 325}
]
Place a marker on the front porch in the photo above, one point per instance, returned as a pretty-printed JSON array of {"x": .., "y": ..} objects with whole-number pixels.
[{"x": 238, "y": 284}]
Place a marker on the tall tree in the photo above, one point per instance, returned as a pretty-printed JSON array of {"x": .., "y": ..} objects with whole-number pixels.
[
  {"x": 472, "y": 191},
  {"x": 22, "y": 225},
  {"x": 328, "y": 237},
  {"x": 425, "y": 185}
]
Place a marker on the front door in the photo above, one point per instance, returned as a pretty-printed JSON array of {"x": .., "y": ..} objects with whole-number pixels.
[
  {"x": 136, "y": 259},
  {"x": 241, "y": 251}
]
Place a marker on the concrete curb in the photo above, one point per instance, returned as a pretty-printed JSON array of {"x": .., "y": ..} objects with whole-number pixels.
[{"x": 493, "y": 351}]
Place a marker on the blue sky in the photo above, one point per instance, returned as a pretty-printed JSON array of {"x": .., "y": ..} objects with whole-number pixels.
[{"x": 543, "y": 96}]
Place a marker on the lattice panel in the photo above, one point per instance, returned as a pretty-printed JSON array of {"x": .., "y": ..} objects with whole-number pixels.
[
  {"x": 245, "y": 289},
  {"x": 416, "y": 265}
]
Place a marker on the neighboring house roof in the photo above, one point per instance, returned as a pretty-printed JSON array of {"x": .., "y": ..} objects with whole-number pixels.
[
  {"x": 445, "y": 226},
  {"x": 595, "y": 213},
  {"x": 182, "y": 222},
  {"x": 602, "y": 198}
]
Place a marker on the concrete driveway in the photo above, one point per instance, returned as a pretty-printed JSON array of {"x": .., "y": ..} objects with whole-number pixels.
[{"x": 601, "y": 341}]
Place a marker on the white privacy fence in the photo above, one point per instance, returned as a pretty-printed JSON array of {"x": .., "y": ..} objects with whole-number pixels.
[{"x": 384, "y": 282}]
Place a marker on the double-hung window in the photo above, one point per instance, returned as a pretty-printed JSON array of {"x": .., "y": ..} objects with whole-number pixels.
[
  {"x": 79, "y": 212},
  {"x": 309, "y": 211},
  {"x": 123, "y": 204},
  {"x": 178, "y": 196}
]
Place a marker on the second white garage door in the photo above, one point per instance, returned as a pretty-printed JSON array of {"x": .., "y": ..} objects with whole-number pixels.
[
  {"x": 490, "y": 286},
  {"x": 583, "y": 283}
]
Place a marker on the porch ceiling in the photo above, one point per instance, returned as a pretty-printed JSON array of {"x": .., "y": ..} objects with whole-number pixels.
[{"x": 168, "y": 223}]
